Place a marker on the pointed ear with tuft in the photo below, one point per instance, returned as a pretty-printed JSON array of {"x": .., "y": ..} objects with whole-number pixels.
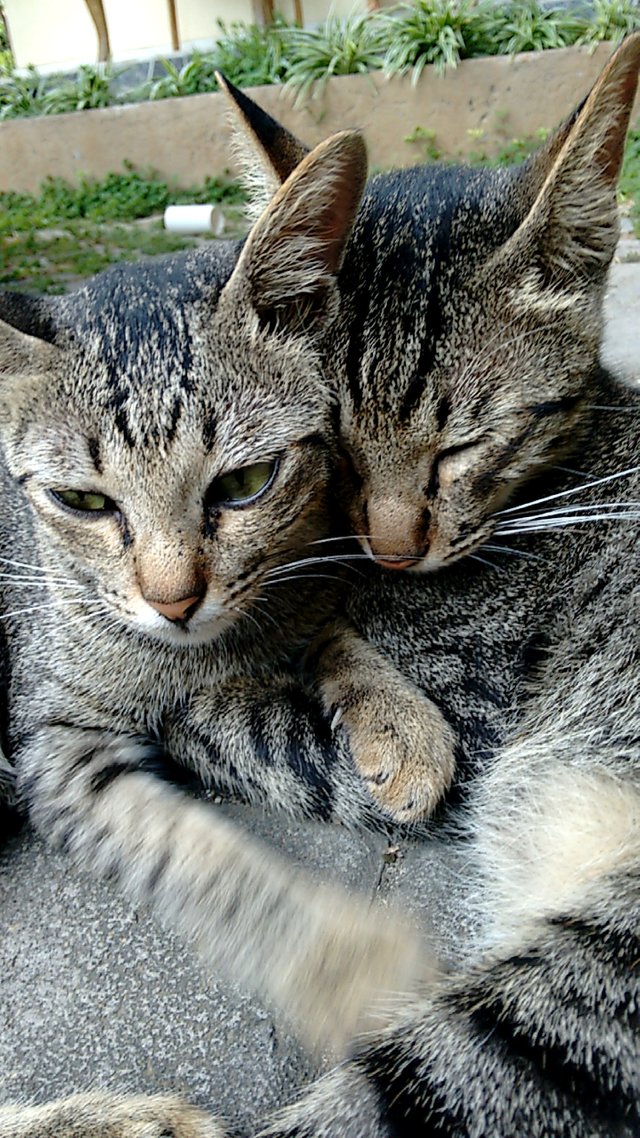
[
  {"x": 571, "y": 229},
  {"x": 287, "y": 270},
  {"x": 267, "y": 152}
]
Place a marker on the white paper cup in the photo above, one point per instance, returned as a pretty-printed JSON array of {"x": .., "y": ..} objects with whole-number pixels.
[{"x": 191, "y": 219}]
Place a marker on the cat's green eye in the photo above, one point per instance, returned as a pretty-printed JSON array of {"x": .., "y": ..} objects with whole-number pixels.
[
  {"x": 85, "y": 501},
  {"x": 242, "y": 486}
]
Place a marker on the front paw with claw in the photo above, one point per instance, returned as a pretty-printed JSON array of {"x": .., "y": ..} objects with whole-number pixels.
[
  {"x": 401, "y": 743},
  {"x": 403, "y": 748}
]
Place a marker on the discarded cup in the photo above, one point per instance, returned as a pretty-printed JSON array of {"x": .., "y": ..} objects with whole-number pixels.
[{"x": 192, "y": 219}]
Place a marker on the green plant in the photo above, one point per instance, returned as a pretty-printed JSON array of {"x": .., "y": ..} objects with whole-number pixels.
[
  {"x": 251, "y": 56},
  {"x": 194, "y": 78},
  {"x": 6, "y": 58},
  {"x": 49, "y": 240},
  {"x": 427, "y": 31},
  {"x": 91, "y": 88},
  {"x": 516, "y": 27},
  {"x": 426, "y": 141},
  {"x": 21, "y": 95},
  {"x": 611, "y": 20},
  {"x": 123, "y": 196},
  {"x": 342, "y": 45},
  {"x": 630, "y": 177}
]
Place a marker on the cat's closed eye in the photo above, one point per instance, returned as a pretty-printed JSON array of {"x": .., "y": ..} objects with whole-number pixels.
[{"x": 449, "y": 463}]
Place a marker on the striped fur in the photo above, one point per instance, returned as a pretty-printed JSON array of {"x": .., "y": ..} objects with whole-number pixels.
[
  {"x": 466, "y": 363},
  {"x": 144, "y": 389}
]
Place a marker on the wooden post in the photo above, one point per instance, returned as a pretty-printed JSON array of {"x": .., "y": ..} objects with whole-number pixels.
[
  {"x": 173, "y": 22},
  {"x": 96, "y": 11},
  {"x": 298, "y": 17},
  {"x": 263, "y": 11}
]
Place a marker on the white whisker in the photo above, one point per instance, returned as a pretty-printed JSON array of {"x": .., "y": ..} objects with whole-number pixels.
[
  {"x": 301, "y": 577},
  {"x": 249, "y": 615},
  {"x": 568, "y": 493},
  {"x": 543, "y": 524},
  {"x": 514, "y": 552},
  {"x": 484, "y": 561}
]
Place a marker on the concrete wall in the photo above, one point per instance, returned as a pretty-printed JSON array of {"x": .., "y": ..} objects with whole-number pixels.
[
  {"x": 60, "y": 35},
  {"x": 478, "y": 107}
]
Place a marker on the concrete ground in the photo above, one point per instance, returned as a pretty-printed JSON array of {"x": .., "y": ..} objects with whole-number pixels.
[{"x": 95, "y": 994}]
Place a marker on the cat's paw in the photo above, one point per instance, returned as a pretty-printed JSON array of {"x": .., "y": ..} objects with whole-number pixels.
[
  {"x": 105, "y": 1115},
  {"x": 402, "y": 747},
  {"x": 353, "y": 968},
  {"x": 401, "y": 744}
]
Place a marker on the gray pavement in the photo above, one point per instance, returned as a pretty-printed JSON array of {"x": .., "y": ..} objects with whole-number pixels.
[{"x": 95, "y": 994}]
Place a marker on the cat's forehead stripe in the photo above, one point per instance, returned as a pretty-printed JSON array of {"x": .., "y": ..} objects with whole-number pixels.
[{"x": 450, "y": 213}]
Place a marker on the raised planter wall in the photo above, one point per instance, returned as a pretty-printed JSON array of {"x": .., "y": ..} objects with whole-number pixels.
[{"x": 188, "y": 139}]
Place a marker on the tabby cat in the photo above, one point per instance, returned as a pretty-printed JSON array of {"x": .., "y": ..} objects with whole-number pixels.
[
  {"x": 465, "y": 360},
  {"x": 167, "y": 440}
]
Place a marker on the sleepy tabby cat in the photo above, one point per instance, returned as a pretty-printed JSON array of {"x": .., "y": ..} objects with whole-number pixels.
[
  {"x": 464, "y": 357},
  {"x": 466, "y": 362}
]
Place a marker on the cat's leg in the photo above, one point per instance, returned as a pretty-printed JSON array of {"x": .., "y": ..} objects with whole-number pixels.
[
  {"x": 270, "y": 741},
  {"x": 401, "y": 744},
  {"x": 320, "y": 955},
  {"x": 104, "y": 1115}
]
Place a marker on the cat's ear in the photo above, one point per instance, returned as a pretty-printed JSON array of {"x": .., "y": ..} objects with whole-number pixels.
[
  {"x": 571, "y": 228},
  {"x": 267, "y": 152},
  {"x": 27, "y": 334},
  {"x": 286, "y": 273}
]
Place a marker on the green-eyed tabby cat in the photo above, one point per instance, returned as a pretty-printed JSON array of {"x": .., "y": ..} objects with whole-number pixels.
[
  {"x": 167, "y": 440},
  {"x": 465, "y": 360}
]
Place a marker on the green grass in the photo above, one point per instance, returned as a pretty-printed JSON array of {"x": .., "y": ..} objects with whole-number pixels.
[{"x": 67, "y": 232}]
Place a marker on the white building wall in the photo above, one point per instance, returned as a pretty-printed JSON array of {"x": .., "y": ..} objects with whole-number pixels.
[{"x": 60, "y": 34}]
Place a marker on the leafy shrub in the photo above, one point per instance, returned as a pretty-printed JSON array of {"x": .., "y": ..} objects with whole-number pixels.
[
  {"x": 612, "y": 20},
  {"x": 6, "y": 58},
  {"x": 22, "y": 95},
  {"x": 427, "y": 31},
  {"x": 342, "y": 45},
  {"x": 529, "y": 27},
  {"x": 401, "y": 40},
  {"x": 252, "y": 56},
  {"x": 196, "y": 77},
  {"x": 90, "y": 89}
]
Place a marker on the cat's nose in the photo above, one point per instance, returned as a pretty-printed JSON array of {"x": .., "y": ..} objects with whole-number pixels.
[
  {"x": 177, "y": 610},
  {"x": 396, "y": 530}
]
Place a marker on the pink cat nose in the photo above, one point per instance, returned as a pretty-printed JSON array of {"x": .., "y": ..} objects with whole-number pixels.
[{"x": 176, "y": 610}]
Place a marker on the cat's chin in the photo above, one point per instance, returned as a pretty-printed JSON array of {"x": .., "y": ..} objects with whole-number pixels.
[{"x": 188, "y": 635}]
